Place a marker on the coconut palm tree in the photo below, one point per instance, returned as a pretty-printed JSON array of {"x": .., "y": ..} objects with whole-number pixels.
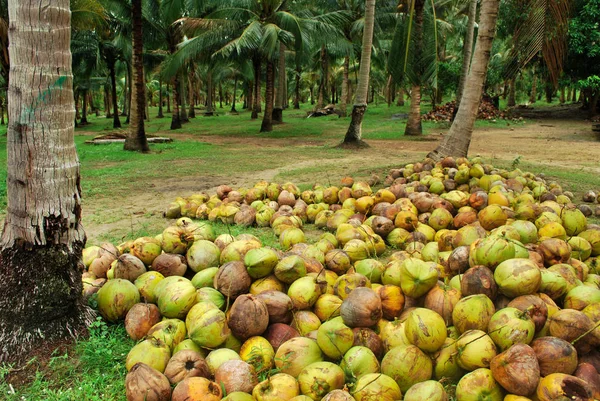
[
  {"x": 457, "y": 141},
  {"x": 354, "y": 135},
  {"x": 43, "y": 237},
  {"x": 136, "y": 138},
  {"x": 467, "y": 50}
]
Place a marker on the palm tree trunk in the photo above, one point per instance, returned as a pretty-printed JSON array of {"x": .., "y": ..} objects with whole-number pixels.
[
  {"x": 249, "y": 101},
  {"x": 457, "y": 141},
  {"x": 512, "y": 96},
  {"x": 256, "y": 104},
  {"x": 136, "y": 138},
  {"x": 129, "y": 92},
  {"x": 176, "y": 118},
  {"x": 160, "y": 100},
  {"x": 354, "y": 133},
  {"x": 182, "y": 86},
  {"x": 235, "y": 85},
  {"x": 297, "y": 90},
  {"x": 84, "y": 120},
  {"x": 168, "y": 99},
  {"x": 209, "y": 95},
  {"x": 345, "y": 88},
  {"x": 574, "y": 95},
  {"x": 267, "y": 122},
  {"x": 323, "y": 83},
  {"x": 220, "y": 95},
  {"x": 43, "y": 237},
  {"x": 1, "y": 111},
  {"x": 281, "y": 91},
  {"x": 77, "y": 116},
  {"x": 533, "y": 97},
  {"x": 562, "y": 95},
  {"x": 413, "y": 124},
  {"x": 192, "y": 112},
  {"x": 467, "y": 51},
  {"x": 113, "y": 80},
  {"x": 400, "y": 101}
]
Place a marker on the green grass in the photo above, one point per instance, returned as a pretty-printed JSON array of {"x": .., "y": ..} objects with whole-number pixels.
[{"x": 92, "y": 370}]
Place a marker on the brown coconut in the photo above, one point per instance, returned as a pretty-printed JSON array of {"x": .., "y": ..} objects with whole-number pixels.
[
  {"x": 128, "y": 267},
  {"x": 535, "y": 307},
  {"x": 232, "y": 279},
  {"x": 144, "y": 383},
  {"x": 517, "y": 370},
  {"x": 575, "y": 327},
  {"x": 362, "y": 308},
  {"x": 554, "y": 355},
  {"x": 169, "y": 264},
  {"x": 479, "y": 280},
  {"x": 186, "y": 363},
  {"x": 559, "y": 386},
  {"x": 442, "y": 299},
  {"x": 279, "y": 306},
  {"x": 100, "y": 265},
  {"x": 588, "y": 373},
  {"x": 197, "y": 389},
  {"x": 236, "y": 375},
  {"x": 248, "y": 317},
  {"x": 368, "y": 338},
  {"x": 140, "y": 318},
  {"x": 278, "y": 333}
]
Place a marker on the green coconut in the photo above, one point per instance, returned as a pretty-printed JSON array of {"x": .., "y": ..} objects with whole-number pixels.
[
  {"x": 291, "y": 237},
  {"x": 376, "y": 386},
  {"x": 152, "y": 352},
  {"x": 479, "y": 385},
  {"x": 202, "y": 255},
  {"x": 209, "y": 294},
  {"x": 473, "y": 313},
  {"x": 417, "y": 277},
  {"x": 335, "y": 338},
  {"x": 491, "y": 251},
  {"x": 290, "y": 268},
  {"x": 573, "y": 220},
  {"x": 426, "y": 329},
  {"x": 169, "y": 331},
  {"x": 146, "y": 283},
  {"x": 146, "y": 249},
  {"x": 297, "y": 353},
  {"x": 359, "y": 361},
  {"x": 205, "y": 278},
  {"x": 319, "y": 378},
  {"x": 429, "y": 390},
  {"x": 553, "y": 284},
  {"x": 510, "y": 326},
  {"x": 207, "y": 325},
  {"x": 176, "y": 299},
  {"x": 407, "y": 365},
  {"x": 304, "y": 292},
  {"x": 516, "y": 277},
  {"x": 260, "y": 262},
  {"x": 475, "y": 350},
  {"x": 115, "y": 298},
  {"x": 217, "y": 357}
]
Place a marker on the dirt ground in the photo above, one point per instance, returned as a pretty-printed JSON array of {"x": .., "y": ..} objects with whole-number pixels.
[{"x": 555, "y": 142}]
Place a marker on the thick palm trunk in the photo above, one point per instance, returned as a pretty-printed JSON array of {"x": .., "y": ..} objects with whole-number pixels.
[
  {"x": 467, "y": 51},
  {"x": 220, "y": 95},
  {"x": 354, "y": 133},
  {"x": 267, "y": 122},
  {"x": 129, "y": 94},
  {"x": 249, "y": 101},
  {"x": 413, "y": 124},
  {"x": 562, "y": 95},
  {"x": 297, "y": 90},
  {"x": 512, "y": 96},
  {"x": 160, "y": 100},
  {"x": 457, "y": 141},
  {"x": 176, "y": 118},
  {"x": 281, "y": 91},
  {"x": 1, "y": 111},
  {"x": 256, "y": 103},
  {"x": 84, "y": 120},
  {"x": 574, "y": 95},
  {"x": 533, "y": 97},
  {"x": 233, "y": 99},
  {"x": 192, "y": 112},
  {"x": 345, "y": 88},
  {"x": 323, "y": 83},
  {"x": 209, "y": 95},
  {"x": 182, "y": 111},
  {"x": 400, "y": 101},
  {"x": 43, "y": 237},
  {"x": 136, "y": 138},
  {"x": 168, "y": 99}
]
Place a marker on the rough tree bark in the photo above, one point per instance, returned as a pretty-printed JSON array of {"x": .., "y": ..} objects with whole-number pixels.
[
  {"x": 209, "y": 95},
  {"x": 192, "y": 110},
  {"x": 182, "y": 111},
  {"x": 281, "y": 91},
  {"x": 413, "y": 123},
  {"x": 136, "y": 138},
  {"x": 457, "y": 141},
  {"x": 345, "y": 88},
  {"x": 175, "y": 118},
  {"x": 233, "y": 99},
  {"x": 267, "y": 122},
  {"x": 168, "y": 99},
  {"x": 467, "y": 51},
  {"x": 323, "y": 83},
  {"x": 256, "y": 103},
  {"x": 43, "y": 237},
  {"x": 354, "y": 134},
  {"x": 297, "y": 89},
  {"x": 160, "y": 100}
]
